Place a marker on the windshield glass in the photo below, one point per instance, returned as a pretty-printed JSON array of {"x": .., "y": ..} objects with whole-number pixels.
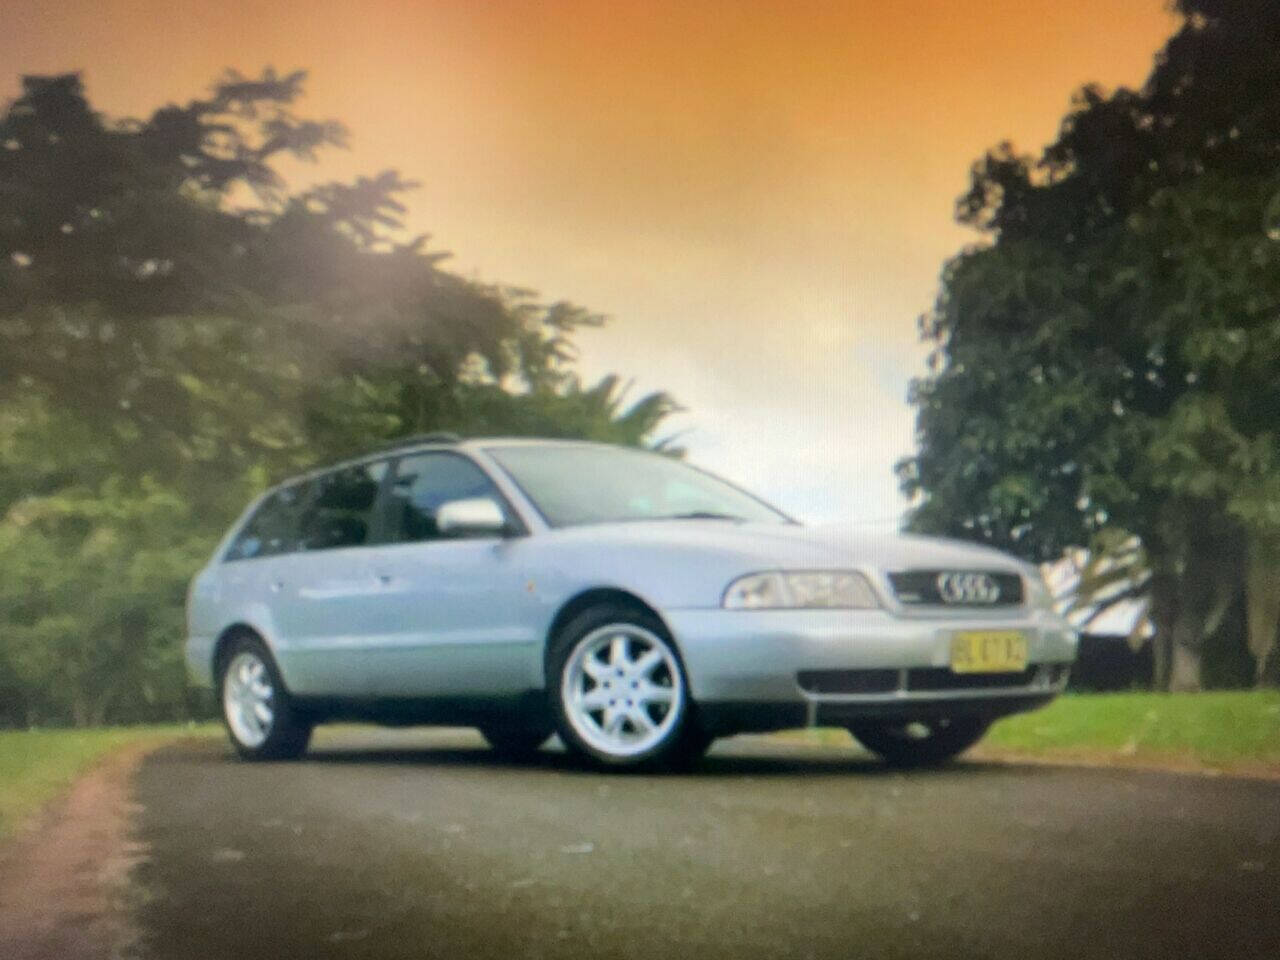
[{"x": 574, "y": 485}]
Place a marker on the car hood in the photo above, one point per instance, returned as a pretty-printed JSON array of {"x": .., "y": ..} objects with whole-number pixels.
[{"x": 779, "y": 546}]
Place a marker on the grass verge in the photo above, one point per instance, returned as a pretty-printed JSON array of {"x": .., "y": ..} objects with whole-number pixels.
[
  {"x": 1237, "y": 731},
  {"x": 37, "y": 765},
  {"x": 1221, "y": 730}
]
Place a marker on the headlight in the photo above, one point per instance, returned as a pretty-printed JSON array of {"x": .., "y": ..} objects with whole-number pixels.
[{"x": 825, "y": 589}]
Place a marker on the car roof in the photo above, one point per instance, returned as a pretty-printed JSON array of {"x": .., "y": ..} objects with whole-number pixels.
[
  {"x": 477, "y": 442},
  {"x": 413, "y": 445}
]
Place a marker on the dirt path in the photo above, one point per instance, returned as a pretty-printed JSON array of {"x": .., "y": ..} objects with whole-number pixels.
[{"x": 63, "y": 877}]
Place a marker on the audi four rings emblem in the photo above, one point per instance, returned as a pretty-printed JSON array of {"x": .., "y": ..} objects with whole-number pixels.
[{"x": 961, "y": 587}]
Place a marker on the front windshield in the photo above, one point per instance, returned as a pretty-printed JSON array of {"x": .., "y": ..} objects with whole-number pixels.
[{"x": 579, "y": 484}]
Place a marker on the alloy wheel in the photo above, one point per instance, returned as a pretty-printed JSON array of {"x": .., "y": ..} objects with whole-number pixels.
[
  {"x": 248, "y": 699},
  {"x": 622, "y": 690}
]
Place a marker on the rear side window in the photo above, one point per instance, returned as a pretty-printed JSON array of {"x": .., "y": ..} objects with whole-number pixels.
[
  {"x": 273, "y": 528},
  {"x": 425, "y": 481},
  {"x": 340, "y": 512}
]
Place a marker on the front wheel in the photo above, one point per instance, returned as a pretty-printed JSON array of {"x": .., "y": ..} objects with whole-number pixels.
[
  {"x": 617, "y": 688},
  {"x": 255, "y": 707},
  {"x": 918, "y": 743}
]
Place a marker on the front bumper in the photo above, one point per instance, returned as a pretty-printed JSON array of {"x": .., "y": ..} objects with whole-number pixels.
[{"x": 758, "y": 656}]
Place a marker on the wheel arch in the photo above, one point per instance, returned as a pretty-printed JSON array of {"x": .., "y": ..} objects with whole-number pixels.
[
  {"x": 231, "y": 633},
  {"x": 598, "y": 596}
]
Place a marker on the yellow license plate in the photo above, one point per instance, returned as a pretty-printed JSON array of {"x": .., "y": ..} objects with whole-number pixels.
[{"x": 989, "y": 651}]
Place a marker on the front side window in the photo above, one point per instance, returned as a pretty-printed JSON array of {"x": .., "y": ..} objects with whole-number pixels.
[
  {"x": 273, "y": 528},
  {"x": 340, "y": 513},
  {"x": 580, "y": 484},
  {"x": 424, "y": 482}
]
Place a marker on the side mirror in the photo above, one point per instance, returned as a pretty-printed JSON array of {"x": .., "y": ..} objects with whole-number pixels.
[{"x": 476, "y": 516}]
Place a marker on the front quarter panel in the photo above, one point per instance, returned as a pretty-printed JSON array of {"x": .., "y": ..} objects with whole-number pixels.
[{"x": 672, "y": 577}]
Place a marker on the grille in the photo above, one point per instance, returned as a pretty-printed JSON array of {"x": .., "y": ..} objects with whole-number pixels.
[
  {"x": 940, "y": 678},
  {"x": 848, "y": 681},
  {"x": 920, "y": 588}
]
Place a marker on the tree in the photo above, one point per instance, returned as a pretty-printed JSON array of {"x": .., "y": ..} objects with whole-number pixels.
[
  {"x": 177, "y": 330},
  {"x": 1105, "y": 361}
]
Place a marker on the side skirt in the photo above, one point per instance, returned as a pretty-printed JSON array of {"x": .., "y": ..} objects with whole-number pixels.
[{"x": 525, "y": 708}]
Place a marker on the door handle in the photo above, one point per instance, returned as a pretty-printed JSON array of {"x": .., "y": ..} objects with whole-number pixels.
[
  {"x": 277, "y": 586},
  {"x": 385, "y": 579}
]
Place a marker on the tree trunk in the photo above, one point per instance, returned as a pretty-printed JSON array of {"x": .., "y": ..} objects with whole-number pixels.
[
  {"x": 1184, "y": 676},
  {"x": 1269, "y": 676},
  {"x": 1163, "y": 612},
  {"x": 98, "y": 712},
  {"x": 1161, "y": 658},
  {"x": 80, "y": 712},
  {"x": 1205, "y": 592},
  {"x": 1262, "y": 599},
  {"x": 1188, "y": 639}
]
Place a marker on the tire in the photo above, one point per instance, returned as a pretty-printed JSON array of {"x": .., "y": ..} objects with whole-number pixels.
[
  {"x": 617, "y": 689},
  {"x": 515, "y": 742},
  {"x": 919, "y": 743},
  {"x": 260, "y": 721}
]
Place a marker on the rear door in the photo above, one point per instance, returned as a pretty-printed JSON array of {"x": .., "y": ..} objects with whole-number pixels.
[
  {"x": 326, "y": 592},
  {"x": 255, "y": 566},
  {"x": 456, "y": 615}
]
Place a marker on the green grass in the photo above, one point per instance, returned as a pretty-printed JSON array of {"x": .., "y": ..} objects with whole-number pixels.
[
  {"x": 1213, "y": 729},
  {"x": 1228, "y": 731},
  {"x": 37, "y": 765}
]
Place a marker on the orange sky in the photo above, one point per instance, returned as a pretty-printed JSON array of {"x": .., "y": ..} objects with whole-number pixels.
[{"x": 759, "y": 194}]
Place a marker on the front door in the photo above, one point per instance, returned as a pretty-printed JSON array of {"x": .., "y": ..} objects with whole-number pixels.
[{"x": 455, "y": 616}]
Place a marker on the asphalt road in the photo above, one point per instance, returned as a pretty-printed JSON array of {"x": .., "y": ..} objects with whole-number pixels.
[{"x": 421, "y": 844}]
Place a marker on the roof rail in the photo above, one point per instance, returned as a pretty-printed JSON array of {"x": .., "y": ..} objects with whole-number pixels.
[{"x": 437, "y": 436}]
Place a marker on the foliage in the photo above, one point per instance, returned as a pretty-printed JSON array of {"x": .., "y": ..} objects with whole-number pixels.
[
  {"x": 1105, "y": 363},
  {"x": 177, "y": 330}
]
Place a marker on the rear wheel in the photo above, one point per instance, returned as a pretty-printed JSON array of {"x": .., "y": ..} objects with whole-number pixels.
[
  {"x": 259, "y": 719},
  {"x": 918, "y": 743},
  {"x": 618, "y": 690},
  {"x": 515, "y": 741}
]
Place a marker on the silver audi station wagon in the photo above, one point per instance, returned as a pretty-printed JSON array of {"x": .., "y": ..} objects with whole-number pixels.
[{"x": 635, "y": 605}]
